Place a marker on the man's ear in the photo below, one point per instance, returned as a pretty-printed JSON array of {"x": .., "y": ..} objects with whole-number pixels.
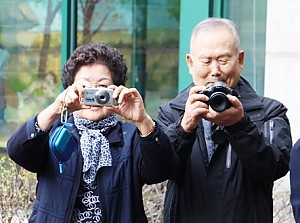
[
  {"x": 189, "y": 62},
  {"x": 241, "y": 59}
]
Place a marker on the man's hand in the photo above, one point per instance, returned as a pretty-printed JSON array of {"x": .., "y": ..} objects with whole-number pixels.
[
  {"x": 229, "y": 116},
  {"x": 196, "y": 107}
]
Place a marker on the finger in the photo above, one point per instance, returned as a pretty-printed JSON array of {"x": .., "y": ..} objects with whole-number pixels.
[
  {"x": 70, "y": 98},
  {"x": 112, "y": 86},
  {"x": 234, "y": 100},
  {"x": 196, "y": 89},
  {"x": 125, "y": 93},
  {"x": 117, "y": 90},
  {"x": 73, "y": 93},
  {"x": 196, "y": 97},
  {"x": 79, "y": 90}
]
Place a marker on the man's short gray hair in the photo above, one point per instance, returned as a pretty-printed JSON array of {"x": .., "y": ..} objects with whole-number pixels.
[{"x": 213, "y": 22}]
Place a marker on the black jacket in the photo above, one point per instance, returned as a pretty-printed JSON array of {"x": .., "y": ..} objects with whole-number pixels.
[
  {"x": 136, "y": 161},
  {"x": 236, "y": 186}
]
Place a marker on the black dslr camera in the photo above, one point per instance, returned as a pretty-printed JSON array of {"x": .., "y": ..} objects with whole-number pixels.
[{"x": 217, "y": 92}]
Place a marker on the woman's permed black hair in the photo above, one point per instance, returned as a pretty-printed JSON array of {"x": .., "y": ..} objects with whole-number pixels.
[{"x": 95, "y": 53}]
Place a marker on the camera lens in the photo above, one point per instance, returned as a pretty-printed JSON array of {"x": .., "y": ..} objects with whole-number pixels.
[
  {"x": 102, "y": 97},
  {"x": 218, "y": 101}
]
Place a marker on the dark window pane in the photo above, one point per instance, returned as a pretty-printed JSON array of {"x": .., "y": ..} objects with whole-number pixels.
[
  {"x": 147, "y": 32},
  {"x": 251, "y": 20}
]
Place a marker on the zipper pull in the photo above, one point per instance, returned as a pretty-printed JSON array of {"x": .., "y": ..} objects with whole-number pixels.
[
  {"x": 228, "y": 156},
  {"x": 271, "y": 130},
  {"x": 60, "y": 166},
  {"x": 271, "y": 124}
]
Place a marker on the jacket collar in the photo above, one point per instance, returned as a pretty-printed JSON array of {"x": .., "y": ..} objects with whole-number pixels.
[{"x": 248, "y": 96}]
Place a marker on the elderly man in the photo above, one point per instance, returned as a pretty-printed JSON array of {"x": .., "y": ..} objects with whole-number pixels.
[{"x": 233, "y": 144}]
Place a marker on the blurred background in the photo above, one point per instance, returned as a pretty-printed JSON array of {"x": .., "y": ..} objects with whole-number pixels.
[{"x": 37, "y": 37}]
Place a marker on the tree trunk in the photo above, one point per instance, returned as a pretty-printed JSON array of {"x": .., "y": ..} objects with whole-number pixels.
[{"x": 46, "y": 39}]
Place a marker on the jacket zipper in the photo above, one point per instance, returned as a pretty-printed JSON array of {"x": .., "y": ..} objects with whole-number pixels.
[
  {"x": 271, "y": 125},
  {"x": 228, "y": 156},
  {"x": 102, "y": 197},
  {"x": 78, "y": 179}
]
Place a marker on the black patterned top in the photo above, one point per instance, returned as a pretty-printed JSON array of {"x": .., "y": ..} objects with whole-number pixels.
[{"x": 87, "y": 206}]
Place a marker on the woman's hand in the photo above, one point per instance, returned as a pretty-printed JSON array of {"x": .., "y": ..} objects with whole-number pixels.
[
  {"x": 70, "y": 97},
  {"x": 131, "y": 106}
]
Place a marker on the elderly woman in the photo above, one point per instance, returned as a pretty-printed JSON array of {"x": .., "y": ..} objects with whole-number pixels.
[{"x": 103, "y": 178}]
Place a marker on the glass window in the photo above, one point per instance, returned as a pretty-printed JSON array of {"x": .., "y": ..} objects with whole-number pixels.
[
  {"x": 30, "y": 60},
  {"x": 147, "y": 32},
  {"x": 250, "y": 17}
]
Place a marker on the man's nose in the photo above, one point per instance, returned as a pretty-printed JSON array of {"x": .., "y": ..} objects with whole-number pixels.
[{"x": 215, "y": 68}]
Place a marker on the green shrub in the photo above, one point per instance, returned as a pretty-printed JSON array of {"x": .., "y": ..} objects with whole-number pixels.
[{"x": 17, "y": 192}]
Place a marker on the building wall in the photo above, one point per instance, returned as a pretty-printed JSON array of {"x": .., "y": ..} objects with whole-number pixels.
[{"x": 282, "y": 68}]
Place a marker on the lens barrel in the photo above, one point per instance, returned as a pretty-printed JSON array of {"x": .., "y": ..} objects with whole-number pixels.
[
  {"x": 102, "y": 97},
  {"x": 219, "y": 102}
]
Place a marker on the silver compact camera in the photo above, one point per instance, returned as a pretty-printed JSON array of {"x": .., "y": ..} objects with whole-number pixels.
[{"x": 98, "y": 96}]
